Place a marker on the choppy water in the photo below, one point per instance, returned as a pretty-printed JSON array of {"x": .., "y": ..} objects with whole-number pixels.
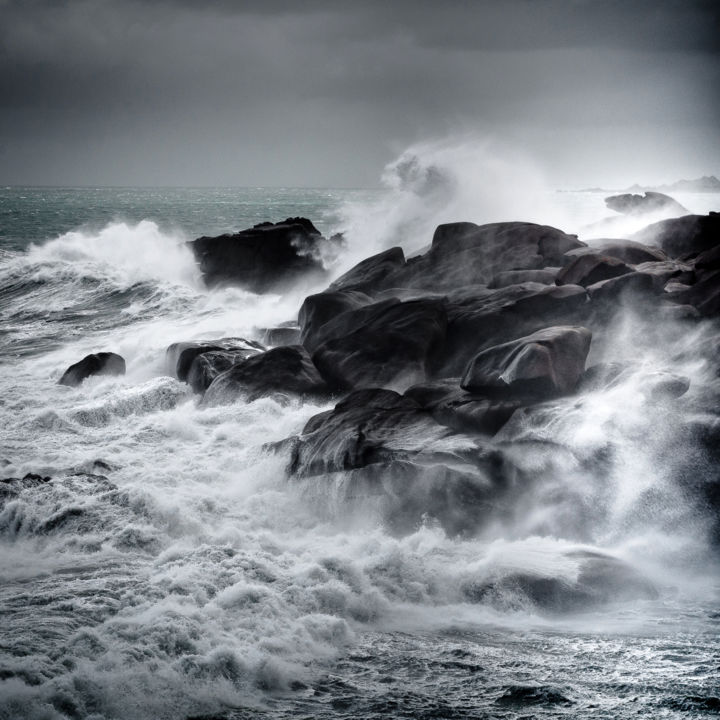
[{"x": 169, "y": 569}]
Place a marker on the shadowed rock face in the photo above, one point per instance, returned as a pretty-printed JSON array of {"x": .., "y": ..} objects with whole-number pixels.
[
  {"x": 683, "y": 237},
  {"x": 650, "y": 202},
  {"x": 590, "y": 268},
  {"x": 629, "y": 251},
  {"x": 262, "y": 257},
  {"x": 389, "y": 343},
  {"x": 548, "y": 362},
  {"x": 180, "y": 356},
  {"x": 104, "y": 363},
  {"x": 280, "y": 370}
]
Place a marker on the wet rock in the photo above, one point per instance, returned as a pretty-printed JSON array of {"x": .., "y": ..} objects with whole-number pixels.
[
  {"x": 548, "y": 362},
  {"x": 665, "y": 385},
  {"x": 633, "y": 288},
  {"x": 630, "y": 252},
  {"x": 280, "y": 370},
  {"x": 590, "y": 268},
  {"x": 663, "y": 272},
  {"x": 179, "y": 357},
  {"x": 463, "y": 411},
  {"x": 208, "y": 365},
  {"x": 389, "y": 343},
  {"x": 263, "y": 257},
  {"x": 103, "y": 363},
  {"x": 383, "y": 453},
  {"x": 601, "y": 376},
  {"x": 369, "y": 275},
  {"x": 600, "y": 579},
  {"x": 286, "y": 334},
  {"x": 704, "y": 295},
  {"x": 319, "y": 309},
  {"x": 683, "y": 237},
  {"x": 479, "y": 318},
  {"x": 544, "y": 276},
  {"x": 650, "y": 202}
]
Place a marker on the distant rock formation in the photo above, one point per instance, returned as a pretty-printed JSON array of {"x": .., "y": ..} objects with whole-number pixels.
[{"x": 651, "y": 202}]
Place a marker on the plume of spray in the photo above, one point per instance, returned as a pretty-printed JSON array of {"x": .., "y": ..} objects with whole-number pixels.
[{"x": 461, "y": 178}]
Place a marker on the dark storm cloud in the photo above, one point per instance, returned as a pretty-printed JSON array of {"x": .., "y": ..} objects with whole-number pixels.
[{"x": 319, "y": 92}]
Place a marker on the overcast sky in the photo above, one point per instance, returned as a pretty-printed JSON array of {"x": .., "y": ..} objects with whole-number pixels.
[{"x": 325, "y": 93}]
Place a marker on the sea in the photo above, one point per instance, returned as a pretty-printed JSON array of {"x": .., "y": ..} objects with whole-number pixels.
[{"x": 170, "y": 569}]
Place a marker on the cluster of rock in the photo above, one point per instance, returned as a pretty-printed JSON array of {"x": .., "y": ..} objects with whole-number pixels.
[{"x": 429, "y": 357}]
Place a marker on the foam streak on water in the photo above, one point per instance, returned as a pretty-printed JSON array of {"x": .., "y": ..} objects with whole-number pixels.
[{"x": 170, "y": 570}]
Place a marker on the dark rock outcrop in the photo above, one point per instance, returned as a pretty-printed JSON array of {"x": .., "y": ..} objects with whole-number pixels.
[
  {"x": 369, "y": 274},
  {"x": 394, "y": 453},
  {"x": 544, "y": 276},
  {"x": 280, "y": 370},
  {"x": 683, "y": 237},
  {"x": 263, "y": 257},
  {"x": 629, "y": 251},
  {"x": 590, "y": 268},
  {"x": 389, "y": 343},
  {"x": 319, "y": 309},
  {"x": 650, "y": 202},
  {"x": 180, "y": 356},
  {"x": 549, "y": 362},
  {"x": 103, "y": 363}
]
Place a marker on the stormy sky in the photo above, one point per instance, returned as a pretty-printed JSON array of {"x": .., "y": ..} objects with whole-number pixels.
[{"x": 325, "y": 93}]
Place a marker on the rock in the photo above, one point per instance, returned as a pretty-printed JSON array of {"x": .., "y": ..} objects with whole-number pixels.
[
  {"x": 598, "y": 579},
  {"x": 381, "y": 452},
  {"x": 704, "y": 295},
  {"x": 208, "y": 365},
  {"x": 180, "y": 356},
  {"x": 462, "y": 254},
  {"x": 651, "y": 202},
  {"x": 663, "y": 272},
  {"x": 280, "y": 370},
  {"x": 103, "y": 363},
  {"x": 601, "y": 376},
  {"x": 632, "y": 288},
  {"x": 319, "y": 309},
  {"x": 590, "y": 268},
  {"x": 683, "y": 237},
  {"x": 548, "y": 362},
  {"x": 664, "y": 385},
  {"x": 389, "y": 343},
  {"x": 286, "y": 334},
  {"x": 460, "y": 410},
  {"x": 266, "y": 256},
  {"x": 369, "y": 274},
  {"x": 479, "y": 318},
  {"x": 545, "y": 276},
  {"x": 629, "y": 251}
]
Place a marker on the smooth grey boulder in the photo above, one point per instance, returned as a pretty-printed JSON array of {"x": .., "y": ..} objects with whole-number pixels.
[
  {"x": 208, "y": 365},
  {"x": 548, "y": 362},
  {"x": 544, "y": 276},
  {"x": 633, "y": 288},
  {"x": 369, "y": 274},
  {"x": 280, "y": 370},
  {"x": 389, "y": 343},
  {"x": 589, "y": 268},
  {"x": 102, "y": 363},
  {"x": 629, "y": 251}
]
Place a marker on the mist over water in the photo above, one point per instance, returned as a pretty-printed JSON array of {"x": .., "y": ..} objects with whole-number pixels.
[{"x": 170, "y": 569}]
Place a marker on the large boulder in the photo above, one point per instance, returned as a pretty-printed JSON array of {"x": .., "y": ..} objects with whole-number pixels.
[
  {"x": 650, "y": 202},
  {"x": 704, "y": 295},
  {"x": 261, "y": 258},
  {"x": 629, "y": 251},
  {"x": 280, "y": 370},
  {"x": 319, "y": 309},
  {"x": 381, "y": 453},
  {"x": 102, "y": 363},
  {"x": 683, "y": 237},
  {"x": 369, "y": 274},
  {"x": 479, "y": 318},
  {"x": 386, "y": 344},
  {"x": 180, "y": 356},
  {"x": 548, "y": 362},
  {"x": 590, "y": 268}
]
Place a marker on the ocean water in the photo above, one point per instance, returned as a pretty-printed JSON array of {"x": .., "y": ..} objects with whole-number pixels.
[{"x": 170, "y": 569}]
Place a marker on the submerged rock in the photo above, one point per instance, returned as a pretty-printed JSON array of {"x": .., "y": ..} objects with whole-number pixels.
[
  {"x": 548, "y": 362},
  {"x": 263, "y": 257},
  {"x": 280, "y": 370},
  {"x": 103, "y": 363}
]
